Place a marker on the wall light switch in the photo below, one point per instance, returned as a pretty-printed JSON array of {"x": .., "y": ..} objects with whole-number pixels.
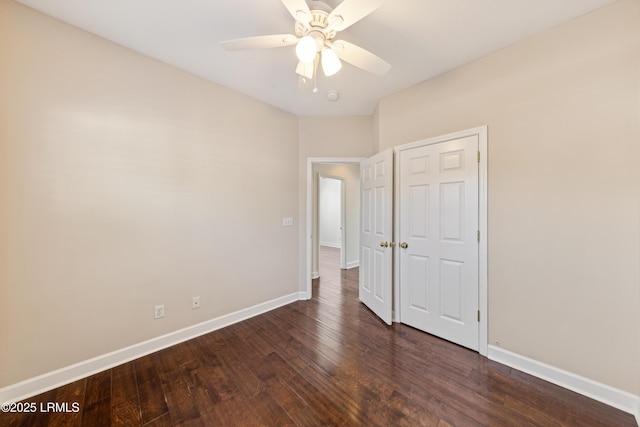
[{"x": 287, "y": 221}]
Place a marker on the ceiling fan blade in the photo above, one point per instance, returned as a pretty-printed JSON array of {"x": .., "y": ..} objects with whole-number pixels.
[
  {"x": 360, "y": 57},
  {"x": 349, "y": 12},
  {"x": 299, "y": 10},
  {"x": 260, "y": 42}
]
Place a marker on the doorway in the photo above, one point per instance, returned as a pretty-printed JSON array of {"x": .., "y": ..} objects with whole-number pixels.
[
  {"x": 347, "y": 170},
  {"x": 331, "y": 220}
]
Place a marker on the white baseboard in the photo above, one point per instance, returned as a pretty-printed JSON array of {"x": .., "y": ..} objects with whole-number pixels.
[
  {"x": 353, "y": 264},
  {"x": 331, "y": 245},
  {"x": 620, "y": 399},
  {"x": 50, "y": 380}
]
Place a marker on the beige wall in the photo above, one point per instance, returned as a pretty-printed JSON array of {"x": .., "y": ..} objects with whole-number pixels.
[
  {"x": 322, "y": 137},
  {"x": 562, "y": 111},
  {"x": 126, "y": 183}
]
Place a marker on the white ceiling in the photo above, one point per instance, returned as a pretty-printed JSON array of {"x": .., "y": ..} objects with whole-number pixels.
[{"x": 419, "y": 38}]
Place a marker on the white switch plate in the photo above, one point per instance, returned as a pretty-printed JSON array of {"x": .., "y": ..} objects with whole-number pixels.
[{"x": 287, "y": 221}]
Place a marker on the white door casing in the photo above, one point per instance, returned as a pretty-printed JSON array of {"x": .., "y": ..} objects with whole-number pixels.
[
  {"x": 439, "y": 223},
  {"x": 376, "y": 234}
]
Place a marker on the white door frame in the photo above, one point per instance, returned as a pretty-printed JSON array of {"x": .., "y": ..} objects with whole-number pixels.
[
  {"x": 309, "y": 214},
  {"x": 481, "y": 132}
]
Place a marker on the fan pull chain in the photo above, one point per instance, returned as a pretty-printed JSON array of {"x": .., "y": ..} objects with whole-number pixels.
[{"x": 315, "y": 75}]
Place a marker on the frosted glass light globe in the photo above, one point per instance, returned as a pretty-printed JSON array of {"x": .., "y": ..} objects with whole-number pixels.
[{"x": 306, "y": 49}]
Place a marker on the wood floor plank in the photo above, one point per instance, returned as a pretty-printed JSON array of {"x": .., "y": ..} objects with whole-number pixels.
[
  {"x": 162, "y": 421},
  {"x": 324, "y": 410},
  {"x": 37, "y": 419},
  {"x": 150, "y": 393},
  {"x": 234, "y": 411},
  {"x": 287, "y": 398},
  {"x": 98, "y": 387},
  {"x": 152, "y": 402},
  {"x": 97, "y": 414},
  {"x": 127, "y": 412},
  {"x": 177, "y": 394},
  {"x": 123, "y": 383},
  {"x": 146, "y": 369},
  {"x": 268, "y": 411},
  {"x": 73, "y": 396}
]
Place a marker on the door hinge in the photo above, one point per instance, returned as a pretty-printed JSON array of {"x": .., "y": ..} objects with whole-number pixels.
[
  {"x": 478, "y": 156},
  {"x": 478, "y": 235},
  {"x": 478, "y": 315}
]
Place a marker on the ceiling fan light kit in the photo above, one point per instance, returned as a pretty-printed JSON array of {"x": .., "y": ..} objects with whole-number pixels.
[
  {"x": 306, "y": 49},
  {"x": 316, "y": 27},
  {"x": 330, "y": 62},
  {"x": 305, "y": 69}
]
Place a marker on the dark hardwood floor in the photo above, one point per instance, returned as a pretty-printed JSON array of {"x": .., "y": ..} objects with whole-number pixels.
[{"x": 327, "y": 361}]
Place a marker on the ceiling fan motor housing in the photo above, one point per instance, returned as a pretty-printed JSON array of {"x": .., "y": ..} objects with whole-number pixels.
[{"x": 317, "y": 27}]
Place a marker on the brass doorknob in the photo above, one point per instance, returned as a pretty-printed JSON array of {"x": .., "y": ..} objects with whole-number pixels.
[
  {"x": 384, "y": 244},
  {"x": 404, "y": 245}
]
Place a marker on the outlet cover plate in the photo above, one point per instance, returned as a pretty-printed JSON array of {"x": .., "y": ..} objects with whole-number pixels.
[{"x": 159, "y": 311}]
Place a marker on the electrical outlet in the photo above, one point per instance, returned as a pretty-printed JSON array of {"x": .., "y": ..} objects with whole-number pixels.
[
  {"x": 287, "y": 221},
  {"x": 195, "y": 303},
  {"x": 159, "y": 311}
]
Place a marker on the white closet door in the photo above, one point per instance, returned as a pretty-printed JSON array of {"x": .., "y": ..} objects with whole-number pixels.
[
  {"x": 376, "y": 233},
  {"x": 438, "y": 239}
]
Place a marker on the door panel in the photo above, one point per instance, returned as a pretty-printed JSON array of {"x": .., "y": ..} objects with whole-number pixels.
[
  {"x": 419, "y": 294},
  {"x": 451, "y": 287},
  {"x": 376, "y": 174},
  {"x": 439, "y": 221}
]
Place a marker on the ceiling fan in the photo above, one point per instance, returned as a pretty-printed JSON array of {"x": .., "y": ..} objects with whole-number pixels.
[{"x": 316, "y": 27}]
